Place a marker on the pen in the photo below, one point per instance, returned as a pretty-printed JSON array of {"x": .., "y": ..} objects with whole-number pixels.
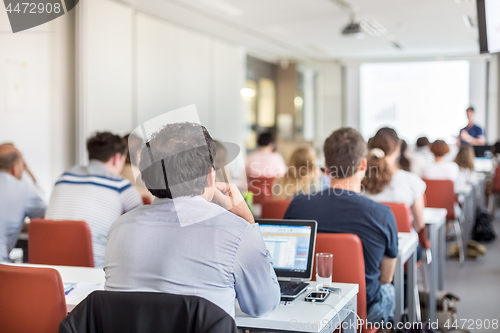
[{"x": 68, "y": 291}]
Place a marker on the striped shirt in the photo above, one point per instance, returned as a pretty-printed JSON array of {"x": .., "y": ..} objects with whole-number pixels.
[{"x": 94, "y": 195}]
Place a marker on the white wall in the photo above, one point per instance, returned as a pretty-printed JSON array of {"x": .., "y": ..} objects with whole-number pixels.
[
  {"x": 36, "y": 95},
  {"x": 329, "y": 98},
  {"x": 139, "y": 66}
]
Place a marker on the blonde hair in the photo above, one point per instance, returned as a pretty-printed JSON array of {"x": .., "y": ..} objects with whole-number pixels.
[
  {"x": 465, "y": 158},
  {"x": 301, "y": 176}
]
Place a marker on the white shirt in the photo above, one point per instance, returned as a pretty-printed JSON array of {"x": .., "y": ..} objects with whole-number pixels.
[
  {"x": 94, "y": 195},
  {"x": 405, "y": 187},
  {"x": 442, "y": 170},
  {"x": 419, "y": 159},
  {"x": 264, "y": 164},
  {"x": 220, "y": 257}
]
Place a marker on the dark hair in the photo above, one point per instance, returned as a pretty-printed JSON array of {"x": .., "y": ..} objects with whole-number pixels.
[
  {"x": 344, "y": 149},
  {"x": 423, "y": 142},
  {"x": 180, "y": 155},
  {"x": 133, "y": 143},
  {"x": 7, "y": 160},
  {"x": 103, "y": 146},
  {"x": 265, "y": 139},
  {"x": 465, "y": 158},
  {"x": 470, "y": 108},
  {"x": 404, "y": 162},
  {"x": 440, "y": 148},
  {"x": 378, "y": 174},
  {"x": 496, "y": 147}
]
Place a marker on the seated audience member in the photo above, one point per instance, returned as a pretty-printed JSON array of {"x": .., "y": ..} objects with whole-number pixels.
[
  {"x": 441, "y": 169},
  {"x": 343, "y": 209},
  {"x": 302, "y": 176},
  {"x": 96, "y": 193},
  {"x": 130, "y": 171},
  {"x": 471, "y": 135},
  {"x": 403, "y": 161},
  {"x": 465, "y": 162},
  {"x": 191, "y": 245},
  {"x": 18, "y": 199},
  {"x": 421, "y": 157},
  {"x": 386, "y": 182},
  {"x": 265, "y": 162}
]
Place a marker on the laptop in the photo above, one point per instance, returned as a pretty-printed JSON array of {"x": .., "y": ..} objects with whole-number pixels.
[{"x": 291, "y": 245}]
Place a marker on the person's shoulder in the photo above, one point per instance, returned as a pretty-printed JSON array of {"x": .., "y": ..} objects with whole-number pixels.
[
  {"x": 372, "y": 207},
  {"x": 409, "y": 176}
]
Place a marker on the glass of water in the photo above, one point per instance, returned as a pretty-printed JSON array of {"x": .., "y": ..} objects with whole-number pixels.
[{"x": 324, "y": 267}]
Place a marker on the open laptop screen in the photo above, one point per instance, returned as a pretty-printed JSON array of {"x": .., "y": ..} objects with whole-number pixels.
[{"x": 291, "y": 245}]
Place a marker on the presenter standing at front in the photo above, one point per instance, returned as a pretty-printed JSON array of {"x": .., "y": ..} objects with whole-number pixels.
[{"x": 471, "y": 135}]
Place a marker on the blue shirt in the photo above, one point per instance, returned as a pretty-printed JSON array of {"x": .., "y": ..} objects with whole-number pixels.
[
  {"x": 475, "y": 131},
  {"x": 189, "y": 246},
  {"x": 18, "y": 199},
  {"x": 339, "y": 211}
]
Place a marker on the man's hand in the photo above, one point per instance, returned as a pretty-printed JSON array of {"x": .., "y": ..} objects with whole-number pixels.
[
  {"x": 464, "y": 135},
  {"x": 229, "y": 197}
]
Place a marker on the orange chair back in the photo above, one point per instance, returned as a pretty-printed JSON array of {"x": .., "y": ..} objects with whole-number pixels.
[
  {"x": 441, "y": 194},
  {"x": 67, "y": 243},
  {"x": 32, "y": 299},
  {"x": 402, "y": 214},
  {"x": 275, "y": 209},
  {"x": 261, "y": 188},
  {"x": 496, "y": 181},
  {"x": 146, "y": 200},
  {"x": 348, "y": 262}
]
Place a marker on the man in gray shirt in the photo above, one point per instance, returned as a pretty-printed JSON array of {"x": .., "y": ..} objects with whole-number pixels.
[
  {"x": 18, "y": 199},
  {"x": 197, "y": 238}
]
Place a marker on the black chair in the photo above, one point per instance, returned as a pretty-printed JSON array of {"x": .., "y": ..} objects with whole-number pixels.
[{"x": 146, "y": 312}]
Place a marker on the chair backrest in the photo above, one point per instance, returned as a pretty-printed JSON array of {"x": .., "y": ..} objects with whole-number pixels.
[
  {"x": 32, "y": 299},
  {"x": 275, "y": 209},
  {"x": 348, "y": 262},
  {"x": 146, "y": 200},
  {"x": 496, "y": 181},
  {"x": 402, "y": 214},
  {"x": 261, "y": 187},
  {"x": 441, "y": 194},
  {"x": 146, "y": 312},
  {"x": 66, "y": 243}
]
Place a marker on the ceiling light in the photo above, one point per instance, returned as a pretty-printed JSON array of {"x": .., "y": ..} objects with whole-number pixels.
[
  {"x": 247, "y": 92},
  {"x": 298, "y": 101},
  {"x": 373, "y": 27}
]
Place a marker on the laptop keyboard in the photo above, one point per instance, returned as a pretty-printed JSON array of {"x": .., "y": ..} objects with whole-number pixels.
[{"x": 292, "y": 288}]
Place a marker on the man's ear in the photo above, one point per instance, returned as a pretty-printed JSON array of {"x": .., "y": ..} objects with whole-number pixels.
[
  {"x": 116, "y": 158},
  {"x": 211, "y": 178},
  {"x": 363, "y": 165}
]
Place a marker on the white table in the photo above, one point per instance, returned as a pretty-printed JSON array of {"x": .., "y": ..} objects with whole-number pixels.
[
  {"x": 304, "y": 316},
  {"x": 89, "y": 279},
  {"x": 407, "y": 244},
  {"x": 435, "y": 219},
  {"x": 336, "y": 309}
]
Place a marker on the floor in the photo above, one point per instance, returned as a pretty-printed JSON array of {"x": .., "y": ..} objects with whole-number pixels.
[{"x": 477, "y": 283}]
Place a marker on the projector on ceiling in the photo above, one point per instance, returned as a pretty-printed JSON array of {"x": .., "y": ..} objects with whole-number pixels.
[{"x": 353, "y": 29}]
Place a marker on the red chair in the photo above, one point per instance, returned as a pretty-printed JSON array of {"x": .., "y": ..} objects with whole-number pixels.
[
  {"x": 348, "y": 264},
  {"x": 146, "y": 200},
  {"x": 275, "y": 209},
  {"x": 441, "y": 194},
  {"x": 67, "y": 243},
  {"x": 32, "y": 299},
  {"x": 261, "y": 187},
  {"x": 402, "y": 214}
]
